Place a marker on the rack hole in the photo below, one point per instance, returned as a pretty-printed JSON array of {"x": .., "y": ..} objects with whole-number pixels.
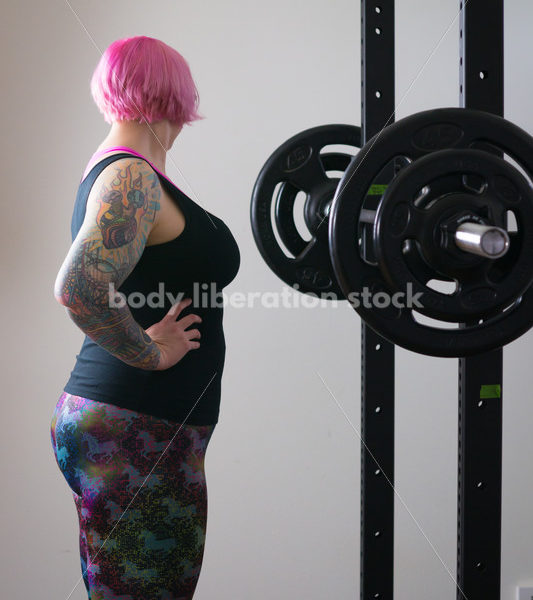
[
  {"x": 377, "y": 471},
  {"x": 377, "y": 595},
  {"x": 378, "y": 31},
  {"x": 480, "y": 566},
  {"x": 378, "y": 94},
  {"x": 377, "y": 533},
  {"x": 378, "y": 409},
  {"x": 481, "y": 404},
  {"x": 480, "y": 485},
  {"x": 483, "y": 74},
  {"x": 378, "y": 9},
  {"x": 378, "y": 346}
]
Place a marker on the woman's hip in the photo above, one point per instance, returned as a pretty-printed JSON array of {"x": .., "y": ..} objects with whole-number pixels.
[{"x": 113, "y": 446}]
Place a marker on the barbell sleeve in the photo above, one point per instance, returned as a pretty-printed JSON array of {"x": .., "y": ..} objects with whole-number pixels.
[
  {"x": 484, "y": 240},
  {"x": 488, "y": 241}
]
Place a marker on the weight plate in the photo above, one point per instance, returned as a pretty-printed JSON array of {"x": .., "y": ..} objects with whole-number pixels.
[
  {"x": 298, "y": 166},
  {"x": 413, "y": 138},
  {"x": 484, "y": 286}
]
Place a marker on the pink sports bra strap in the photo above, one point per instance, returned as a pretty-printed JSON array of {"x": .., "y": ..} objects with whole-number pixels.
[
  {"x": 125, "y": 149},
  {"x": 112, "y": 149}
]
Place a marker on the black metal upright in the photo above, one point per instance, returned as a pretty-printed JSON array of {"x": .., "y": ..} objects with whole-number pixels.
[
  {"x": 480, "y": 377},
  {"x": 377, "y": 354}
]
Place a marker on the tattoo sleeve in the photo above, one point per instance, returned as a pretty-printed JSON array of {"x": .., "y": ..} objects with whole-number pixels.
[{"x": 118, "y": 219}]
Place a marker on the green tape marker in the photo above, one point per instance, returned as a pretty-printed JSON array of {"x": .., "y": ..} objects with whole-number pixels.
[
  {"x": 490, "y": 391},
  {"x": 377, "y": 190}
]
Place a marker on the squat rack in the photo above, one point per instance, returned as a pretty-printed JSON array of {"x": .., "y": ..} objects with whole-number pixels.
[{"x": 480, "y": 400}]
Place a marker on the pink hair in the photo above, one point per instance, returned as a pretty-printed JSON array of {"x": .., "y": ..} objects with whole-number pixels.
[{"x": 143, "y": 78}]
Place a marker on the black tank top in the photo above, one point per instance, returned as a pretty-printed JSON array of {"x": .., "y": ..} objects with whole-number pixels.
[{"x": 198, "y": 263}]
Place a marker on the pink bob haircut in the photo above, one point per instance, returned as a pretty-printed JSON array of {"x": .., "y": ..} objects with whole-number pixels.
[{"x": 141, "y": 78}]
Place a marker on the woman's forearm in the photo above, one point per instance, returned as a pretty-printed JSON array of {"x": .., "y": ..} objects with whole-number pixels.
[
  {"x": 117, "y": 332},
  {"x": 83, "y": 286}
]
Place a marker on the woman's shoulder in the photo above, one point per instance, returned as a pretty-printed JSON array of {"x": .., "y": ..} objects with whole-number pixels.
[{"x": 96, "y": 160}]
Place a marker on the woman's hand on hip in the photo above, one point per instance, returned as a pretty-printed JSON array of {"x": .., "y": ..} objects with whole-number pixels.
[{"x": 172, "y": 337}]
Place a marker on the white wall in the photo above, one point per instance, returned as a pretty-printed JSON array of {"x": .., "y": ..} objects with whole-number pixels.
[{"x": 283, "y": 464}]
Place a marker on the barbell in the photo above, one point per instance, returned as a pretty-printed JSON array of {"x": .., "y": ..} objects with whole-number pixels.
[{"x": 444, "y": 265}]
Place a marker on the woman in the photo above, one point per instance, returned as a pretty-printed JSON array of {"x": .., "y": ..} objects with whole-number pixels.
[{"x": 131, "y": 428}]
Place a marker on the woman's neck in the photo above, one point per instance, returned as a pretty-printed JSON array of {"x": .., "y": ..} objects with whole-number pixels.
[{"x": 152, "y": 141}]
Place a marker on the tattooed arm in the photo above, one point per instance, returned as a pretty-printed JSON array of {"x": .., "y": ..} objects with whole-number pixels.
[{"x": 121, "y": 211}]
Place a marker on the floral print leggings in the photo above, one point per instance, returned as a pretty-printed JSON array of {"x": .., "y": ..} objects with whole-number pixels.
[{"x": 139, "y": 488}]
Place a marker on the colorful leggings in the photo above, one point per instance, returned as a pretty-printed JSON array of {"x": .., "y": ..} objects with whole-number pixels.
[{"x": 141, "y": 497}]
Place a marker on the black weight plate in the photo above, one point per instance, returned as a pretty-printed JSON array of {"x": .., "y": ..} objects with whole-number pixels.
[
  {"x": 399, "y": 218},
  {"x": 298, "y": 166},
  {"x": 285, "y": 201},
  {"x": 414, "y": 137}
]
